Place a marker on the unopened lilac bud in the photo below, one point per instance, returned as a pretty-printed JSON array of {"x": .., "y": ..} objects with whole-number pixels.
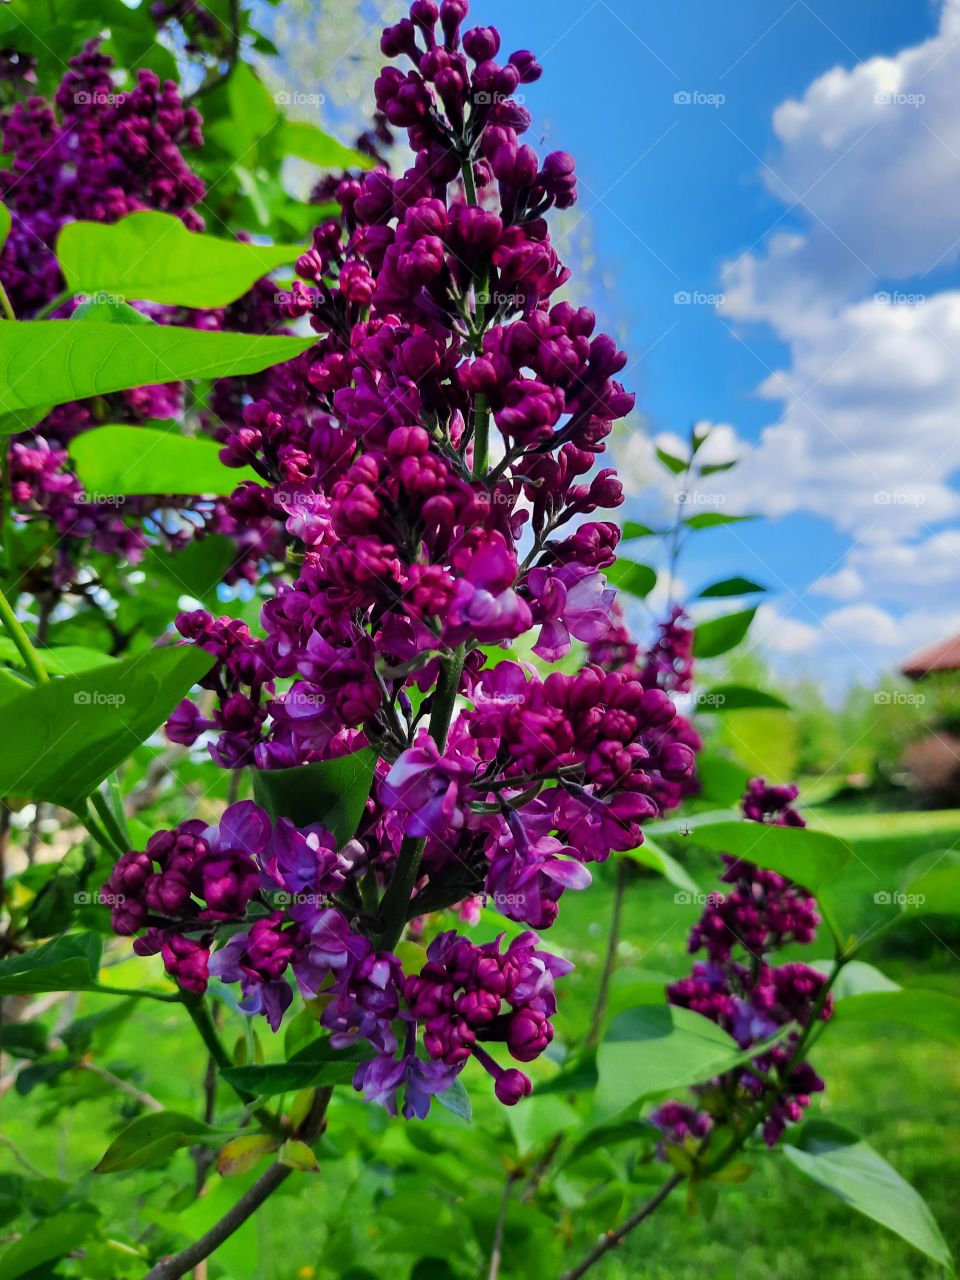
[
  {"x": 481, "y": 43},
  {"x": 512, "y": 1086},
  {"x": 527, "y": 66},
  {"x": 676, "y": 761}
]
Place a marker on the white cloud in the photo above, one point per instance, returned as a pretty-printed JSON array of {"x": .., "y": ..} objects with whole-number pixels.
[
  {"x": 868, "y": 437},
  {"x": 867, "y": 166},
  {"x": 773, "y": 631},
  {"x": 911, "y": 574}
]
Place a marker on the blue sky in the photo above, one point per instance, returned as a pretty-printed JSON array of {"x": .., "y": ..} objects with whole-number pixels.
[
  {"x": 812, "y": 183},
  {"x": 822, "y": 208}
]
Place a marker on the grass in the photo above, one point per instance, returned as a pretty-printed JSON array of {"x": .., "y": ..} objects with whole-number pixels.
[{"x": 896, "y": 1089}]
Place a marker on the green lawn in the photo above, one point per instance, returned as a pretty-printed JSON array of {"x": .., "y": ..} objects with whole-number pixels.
[{"x": 900, "y": 1091}]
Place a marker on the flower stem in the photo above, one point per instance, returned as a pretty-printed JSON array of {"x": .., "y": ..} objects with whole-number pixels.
[
  {"x": 13, "y": 627},
  {"x": 616, "y": 920},
  {"x": 200, "y": 1015},
  {"x": 5, "y": 304},
  {"x": 54, "y": 305},
  {"x": 396, "y": 900}
]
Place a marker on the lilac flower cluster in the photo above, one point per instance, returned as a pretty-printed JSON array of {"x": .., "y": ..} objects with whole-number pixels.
[
  {"x": 737, "y": 988},
  {"x": 432, "y": 465},
  {"x": 188, "y": 892},
  {"x": 98, "y": 153},
  {"x": 102, "y": 154}
]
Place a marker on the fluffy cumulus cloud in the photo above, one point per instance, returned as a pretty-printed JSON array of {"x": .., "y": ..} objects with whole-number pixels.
[
  {"x": 925, "y": 571},
  {"x": 868, "y": 437},
  {"x": 868, "y": 161}
]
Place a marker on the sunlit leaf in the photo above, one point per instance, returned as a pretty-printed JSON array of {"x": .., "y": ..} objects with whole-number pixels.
[
  {"x": 849, "y": 1167},
  {"x": 332, "y": 792},
  {"x": 46, "y": 362},
  {"x": 151, "y": 256},
  {"x": 72, "y": 732},
  {"x": 720, "y": 635},
  {"x": 636, "y": 579},
  {"x": 128, "y": 461}
]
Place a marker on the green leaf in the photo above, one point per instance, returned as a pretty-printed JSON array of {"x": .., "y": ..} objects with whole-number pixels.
[
  {"x": 712, "y": 519},
  {"x": 632, "y": 529},
  {"x": 152, "y": 1138},
  {"x": 197, "y": 568},
  {"x": 310, "y": 143},
  {"x": 721, "y": 781},
  {"x": 936, "y": 892},
  {"x": 637, "y": 579},
  {"x": 719, "y": 635},
  {"x": 716, "y": 468},
  {"x": 650, "y": 854},
  {"x": 808, "y": 857},
  {"x": 73, "y": 732},
  {"x": 65, "y": 660},
  {"x": 857, "y": 978},
  {"x": 457, "y": 1100},
  {"x": 931, "y": 1011},
  {"x": 314, "y": 1065},
  {"x": 676, "y": 466},
  {"x": 104, "y": 309},
  {"x": 736, "y": 697},
  {"x": 123, "y": 461},
  {"x": 151, "y": 256},
  {"x": 333, "y": 792},
  {"x": 53, "y": 1238},
  {"x": 655, "y": 1049},
  {"x": 247, "y": 131},
  {"x": 68, "y": 963},
  {"x": 849, "y": 1167},
  {"x": 47, "y": 362},
  {"x": 730, "y": 587},
  {"x": 4, "y": 224},
  {"x": 242, "y": 1154}
]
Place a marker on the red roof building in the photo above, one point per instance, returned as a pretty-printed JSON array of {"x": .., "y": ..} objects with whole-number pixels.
[{"x": 944, "y": 656}]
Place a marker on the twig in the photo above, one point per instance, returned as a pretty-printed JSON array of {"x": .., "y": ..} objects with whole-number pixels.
[
  {"x": 20, "y": 1157},
  {"x": 233, "y": 57},
  {"x": 497, "y": 1250},
  {"x": 146, "y": 1100},
  {"x": 613, "y": 1238},
  {"x": 193, "y": 1255}
]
